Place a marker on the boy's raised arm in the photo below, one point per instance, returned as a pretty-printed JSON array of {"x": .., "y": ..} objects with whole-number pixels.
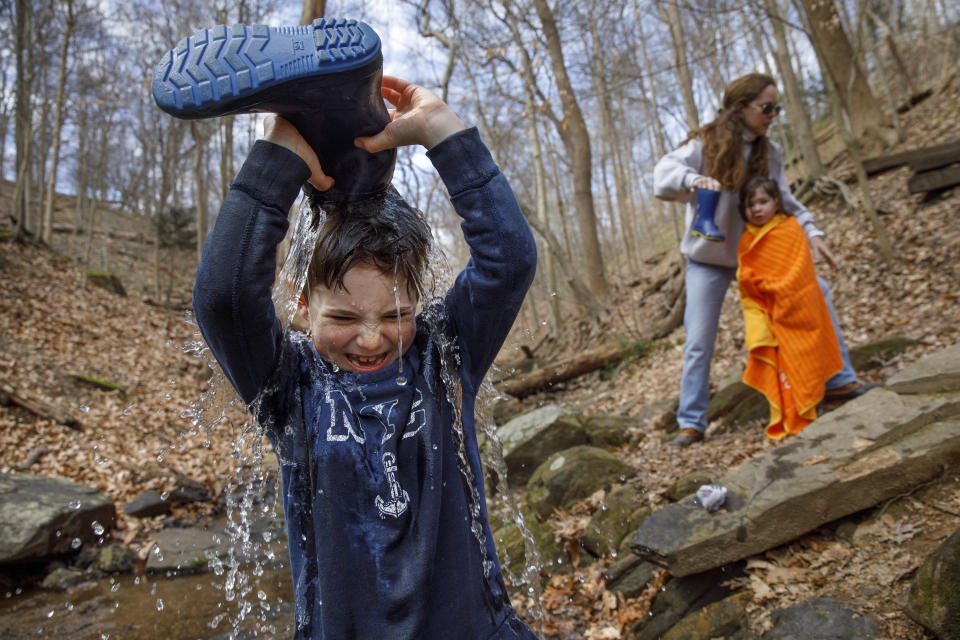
[{"x": 232, "y": 295}]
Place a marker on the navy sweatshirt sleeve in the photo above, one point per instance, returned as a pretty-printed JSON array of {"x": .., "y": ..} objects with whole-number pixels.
[
  {"x": 231, "y": 296},
  {"x": 487, "y": 295}
]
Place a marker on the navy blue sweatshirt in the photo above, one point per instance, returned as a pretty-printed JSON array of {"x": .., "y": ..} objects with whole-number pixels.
[{"x": 384, "y": 501}]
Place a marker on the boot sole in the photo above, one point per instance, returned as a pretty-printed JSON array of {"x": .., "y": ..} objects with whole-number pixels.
[
  {"x": 236, "y": 69},
  {"x": 706, "y": 237}
]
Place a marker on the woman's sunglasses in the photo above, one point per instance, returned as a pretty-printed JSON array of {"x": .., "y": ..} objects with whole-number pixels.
[{"x": 768, "y": 108}]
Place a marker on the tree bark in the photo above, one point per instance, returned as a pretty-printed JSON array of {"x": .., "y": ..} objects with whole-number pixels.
[
  {"x": 576, "y": 140},
  {"x": 47, "y": 233},
  {"x": 671, "y": 14},
  {"x": 844, "y": 67},
  {"x": 312, "y": 9},
  {"x": 794, "y": 94},
  {"x": 23, "y": 133}
]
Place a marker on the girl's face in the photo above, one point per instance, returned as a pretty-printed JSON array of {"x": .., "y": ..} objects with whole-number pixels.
[{"x": 761, "y": 208}]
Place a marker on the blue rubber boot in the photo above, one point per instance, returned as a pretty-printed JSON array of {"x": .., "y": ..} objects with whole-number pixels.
[
  {"x": 324, "y": 78},
  {"x": 703, "y": 224}
]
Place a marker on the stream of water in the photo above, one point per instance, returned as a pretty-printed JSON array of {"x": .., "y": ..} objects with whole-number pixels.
[{"x": 247, "y": 591}]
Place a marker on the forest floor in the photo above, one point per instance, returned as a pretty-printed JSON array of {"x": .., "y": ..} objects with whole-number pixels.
[{"x": 52, "y": 331}]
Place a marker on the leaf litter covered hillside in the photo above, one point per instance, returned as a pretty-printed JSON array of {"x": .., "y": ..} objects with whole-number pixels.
[{"x": 141, "y": 436}]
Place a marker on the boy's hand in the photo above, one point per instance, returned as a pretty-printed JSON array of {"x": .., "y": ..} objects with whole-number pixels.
[
  {"x": 419, "y": 117},
  {"x": 279, "y": 131},
  {"x": 706, "y": 182}
]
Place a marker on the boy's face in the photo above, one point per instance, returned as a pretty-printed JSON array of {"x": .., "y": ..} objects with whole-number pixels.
[
  {"x": 761, "y": 208},
  {"x": 364, "y": 326}
]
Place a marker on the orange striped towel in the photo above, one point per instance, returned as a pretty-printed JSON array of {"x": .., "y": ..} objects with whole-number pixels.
[{"x": 793, "y": 347}]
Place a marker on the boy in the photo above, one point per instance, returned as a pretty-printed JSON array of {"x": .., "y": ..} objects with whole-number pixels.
[{"x": 383, "y": 498}]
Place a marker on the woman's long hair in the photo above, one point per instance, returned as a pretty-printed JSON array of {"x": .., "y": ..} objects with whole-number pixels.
[{"x": 723, "y": 137}]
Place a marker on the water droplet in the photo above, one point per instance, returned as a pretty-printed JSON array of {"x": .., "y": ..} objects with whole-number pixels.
[
  {"x": 261, "y": 595},
  {"x": 159, "y": 604},
  {"x": 434, "y": 446},
  {"x": 165, "y": 495},
  {"x": 75, "y": 504},
  {"x": 76, "y": 543},
  {"x": 50, "y": 613},
  {"x": 115, "y": 588},
  {"x": 98, "y": 528},
  {"x": 83, "y": 409},
  {"x": 401, "y": 380},
  {"x": 69, "y": 606}
]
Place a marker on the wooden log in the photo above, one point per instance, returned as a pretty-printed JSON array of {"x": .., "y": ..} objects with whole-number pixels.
[
  {"x": 528, "y": 383},
  {"x": 932, "y": 180},
  {"x": 940, "y": 153},
  {"x": 38, "y": 407}
]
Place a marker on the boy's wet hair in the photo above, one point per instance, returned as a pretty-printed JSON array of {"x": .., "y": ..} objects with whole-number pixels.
[
  {"x": 383, "y": 231},
  {"x": 760, "y": 182}
]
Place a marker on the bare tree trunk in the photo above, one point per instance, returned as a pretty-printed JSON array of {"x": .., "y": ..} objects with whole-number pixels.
[
  {"x": 651, "y": 114},
  {"x": 23, "y": 133},
  {"x": 844, "y": 67},
  {"x": 227, "y": 171},
  {"x": 576, "y": 139},
  {"x": 671, "y": 14},
  {"x": 529, "y": 85},
  {"x": 795, "y": 109},
  {"x": 312, "y": 9},
  {"x": 47, "y": 232},
  {"x": 200, "y": 138}
]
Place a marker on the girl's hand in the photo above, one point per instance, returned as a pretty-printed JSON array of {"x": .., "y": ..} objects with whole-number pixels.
[
  {"x": 418, "y": 117},
  {"x": 279, "y": 131},
  {"x": 705, "y": 182},
  {"x": 818, "y": 246}
]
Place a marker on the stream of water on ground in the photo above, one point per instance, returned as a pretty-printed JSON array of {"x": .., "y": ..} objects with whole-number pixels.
[{"x": 247, "y": 592}]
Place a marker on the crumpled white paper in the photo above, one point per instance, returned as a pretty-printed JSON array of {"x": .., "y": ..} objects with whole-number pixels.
[{"x": 711, "y": 497}]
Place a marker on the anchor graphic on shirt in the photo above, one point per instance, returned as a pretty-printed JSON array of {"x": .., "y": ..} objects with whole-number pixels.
[{"x": 396, "y": 504}]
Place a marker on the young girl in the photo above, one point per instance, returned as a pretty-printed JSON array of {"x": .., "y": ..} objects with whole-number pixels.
[{"x": 793, "y": 348}]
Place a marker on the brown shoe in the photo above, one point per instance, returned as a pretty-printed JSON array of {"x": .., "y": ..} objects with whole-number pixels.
[
  {"x": 849, "y": 391},
  {"x": 687, "y": 437}
]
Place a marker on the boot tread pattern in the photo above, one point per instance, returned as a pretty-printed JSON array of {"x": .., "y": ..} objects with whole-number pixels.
[{"x": 227, "y": 62}]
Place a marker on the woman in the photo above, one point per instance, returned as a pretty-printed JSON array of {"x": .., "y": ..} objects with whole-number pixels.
[{"x": 724, "y": 155}]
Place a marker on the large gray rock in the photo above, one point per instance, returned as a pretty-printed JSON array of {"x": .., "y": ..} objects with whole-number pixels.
[
  {"x": 934, "y": 599},
  {"x": 572, "y": 475},
  {"x": 935, "y": 373},
  {"x": 822, "y": 619},
  {"x": 42, "y": 516},
  {"x": 871, "y": 449},
  {"x": 186, "y": 550},
  {"x": 611, "y": 522},
  {"x": 725, "y": 618},
  {"x": 531, "y": 438}
]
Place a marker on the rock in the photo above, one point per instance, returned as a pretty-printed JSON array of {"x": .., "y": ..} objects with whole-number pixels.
[
  {"x": 668, "y": 419},
  {"x": 629, "y": 575},
  {"x": 934, "y": 599},
  {"x": 531, "y": 438},
  {"x": 62, "y": 579},
  {"x": 873, "y": 448},
  {"x": 608, "y": 431},
  {"x": 935, "y": 373},
  {"x": 873, "y": 354},
  {"x": 611, "y": 522},
  {"x": 148, "y": 504},
  {"x": 116, "y": 558},
  {"x": 107, "y": 281},
  {"x": 185, "y": 550},
  {"x": 821, "y": 619},
  {"x": 42, "y": 516},
  {"x": 512, "y": 551},
  {"x": 686, "y": 485},
  {"x": 750, "y": 409},
  {"x": 725, "y": 618},
  {"x": 572, "y": 475},
  {"x": 728, "y": 398},
  {"x": 682, "y": 596},
  {"x": 188, "y": 491}
]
